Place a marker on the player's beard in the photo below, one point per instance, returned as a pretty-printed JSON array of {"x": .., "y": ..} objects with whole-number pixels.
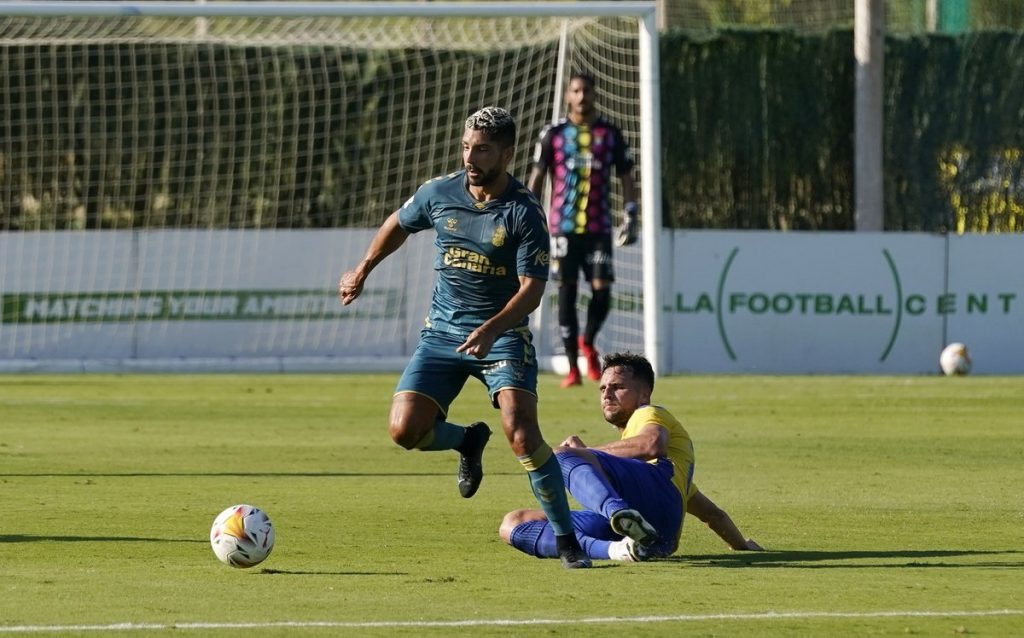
[
  {"x": 485, "y": 178},
  {"x": 614, "y": 416}
]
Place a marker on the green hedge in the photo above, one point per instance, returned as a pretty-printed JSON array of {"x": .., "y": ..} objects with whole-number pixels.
[{"x": 757, "y": 131}]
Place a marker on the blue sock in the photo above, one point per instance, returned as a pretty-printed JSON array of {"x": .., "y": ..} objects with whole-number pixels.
[
  {"x": 596, "y": 549},
  {"x": 589, "y": 485},
  {"x": 444, "y": 436},
  {"x": 548, "y": 488},
  {"x": 536, "y": 538}
]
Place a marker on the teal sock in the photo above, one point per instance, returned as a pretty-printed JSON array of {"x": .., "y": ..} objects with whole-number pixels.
[
  {"x": 550, "y": 492},
  {"x": 445, "y": 436}
]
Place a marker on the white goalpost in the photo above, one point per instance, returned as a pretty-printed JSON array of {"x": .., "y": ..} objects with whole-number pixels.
[{"x": 183, "y": 182}]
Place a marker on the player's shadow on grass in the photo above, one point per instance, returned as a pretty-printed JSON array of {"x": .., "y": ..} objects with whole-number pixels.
[
  {"x": 33, "y": 538},
  {"x": 835, "y": 559}
]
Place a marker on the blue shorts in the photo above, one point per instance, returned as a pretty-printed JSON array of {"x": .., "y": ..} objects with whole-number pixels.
[
  {"x": 438, "y": 372},
  {"x": 646, "y": 487},
  {"x": 649, "y": 489}
]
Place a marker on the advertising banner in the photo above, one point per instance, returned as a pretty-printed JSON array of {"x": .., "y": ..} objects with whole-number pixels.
[
  {"x": 880, "y": 303},
  {"x": 733, "y": 302}
]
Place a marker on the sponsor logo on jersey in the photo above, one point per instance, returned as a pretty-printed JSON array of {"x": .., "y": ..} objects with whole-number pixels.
[{"x": 458, "y": 257}]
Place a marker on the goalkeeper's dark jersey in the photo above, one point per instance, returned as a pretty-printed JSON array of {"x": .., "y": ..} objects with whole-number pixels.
[
  {"x": 580, "y": 158},
  {"x": 482, "y": 248}
]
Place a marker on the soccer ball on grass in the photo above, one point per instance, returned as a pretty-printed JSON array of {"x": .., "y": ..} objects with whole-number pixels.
[
  {"x": 242, "y": 536},
  {"x": 954, "y": 360}
]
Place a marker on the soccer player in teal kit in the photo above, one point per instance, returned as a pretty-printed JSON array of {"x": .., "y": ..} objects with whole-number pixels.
[{"x": 492, "y": 266}]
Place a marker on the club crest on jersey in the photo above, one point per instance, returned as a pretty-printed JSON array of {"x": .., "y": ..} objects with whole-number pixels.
[
  {"x": 498, "y": 238},
  {"x": 450, "y": 223}
]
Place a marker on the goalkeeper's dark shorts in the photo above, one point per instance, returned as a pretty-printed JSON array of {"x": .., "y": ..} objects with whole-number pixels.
[
  {"x": 438, "y": 372},
  {"x": 591, "y": 254}
]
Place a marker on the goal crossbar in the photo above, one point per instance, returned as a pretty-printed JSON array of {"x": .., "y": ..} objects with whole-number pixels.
[{"x": 88, "y": 8}]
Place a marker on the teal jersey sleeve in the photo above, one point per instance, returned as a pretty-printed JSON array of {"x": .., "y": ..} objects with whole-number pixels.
[
  {"x": 533, "y": 256},
  {"x": 482, "y": 248},
  {"x": 414, "y": 215}
]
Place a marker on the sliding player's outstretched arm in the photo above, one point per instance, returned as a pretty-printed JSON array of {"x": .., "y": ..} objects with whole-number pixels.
[
  {"x": 720, "y": 523},
  {"x": 388, "y": 239}
]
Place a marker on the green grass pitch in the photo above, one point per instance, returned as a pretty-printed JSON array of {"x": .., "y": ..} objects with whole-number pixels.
[{"x": 890, "y": 506}]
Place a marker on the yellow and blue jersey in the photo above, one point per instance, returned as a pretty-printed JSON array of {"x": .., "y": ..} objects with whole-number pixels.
[
  {"x": 680, "y": 447},
  {"x": 482, "y": 248}
]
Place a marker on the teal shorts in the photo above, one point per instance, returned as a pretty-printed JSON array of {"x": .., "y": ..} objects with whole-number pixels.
[{"x": 437, "y": 371}]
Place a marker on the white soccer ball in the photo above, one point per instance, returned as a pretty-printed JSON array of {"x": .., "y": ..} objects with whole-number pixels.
[
  {"x": 242, "y": 536},
  {"x": 954, "y": 360}
]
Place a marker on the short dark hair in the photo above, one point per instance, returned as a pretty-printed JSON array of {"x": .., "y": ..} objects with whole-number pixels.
[
  {"x": 637, "y": 364},
  {"x": 496, "y": 122},
  {"x": 586, "y": 77}
]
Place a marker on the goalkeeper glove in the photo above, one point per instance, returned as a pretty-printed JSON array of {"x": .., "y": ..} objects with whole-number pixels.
[{"x": 627, "y": 232}]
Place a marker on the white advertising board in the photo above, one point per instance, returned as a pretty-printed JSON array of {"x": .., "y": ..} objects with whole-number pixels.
[
  {"x": 985, "y": 301},
  {"x": 735, "y": 302},
  {"x": 881, "y": 303},
  {"x": 204, "y": 300}
]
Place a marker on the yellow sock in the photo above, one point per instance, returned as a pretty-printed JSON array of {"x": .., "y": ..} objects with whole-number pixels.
[{"x": 534, "y": 460}]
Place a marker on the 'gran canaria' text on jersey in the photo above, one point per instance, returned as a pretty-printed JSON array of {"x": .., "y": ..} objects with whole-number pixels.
[{"x": 464, "y": 258}]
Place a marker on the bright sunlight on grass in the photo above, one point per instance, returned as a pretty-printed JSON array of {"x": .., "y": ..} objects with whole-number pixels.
[{"x": 889, "y": 505}]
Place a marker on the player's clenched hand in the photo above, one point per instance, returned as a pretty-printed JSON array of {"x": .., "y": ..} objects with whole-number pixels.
[
  {"x": 573, "y": 441},
  {"x": 349, "y": 287},
  {"x": 477, "y": 344}
]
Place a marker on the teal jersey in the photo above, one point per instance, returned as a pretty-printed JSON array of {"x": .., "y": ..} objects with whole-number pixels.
[{"x": 482, "y": 248}]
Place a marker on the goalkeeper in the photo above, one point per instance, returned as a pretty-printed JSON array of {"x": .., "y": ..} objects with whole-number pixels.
[
  {"x": 579, "y": 153},
  {"x": 632, "y": 488},
  {"x": 492, "y": 266}
]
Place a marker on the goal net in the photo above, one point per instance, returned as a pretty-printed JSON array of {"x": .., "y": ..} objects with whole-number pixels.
[{"x": 181, "y": 184}]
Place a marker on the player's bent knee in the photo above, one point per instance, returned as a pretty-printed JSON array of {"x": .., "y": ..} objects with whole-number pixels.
[
  {"x": 507, "y": 525},
  {"x": 400, "y": 435},
  {"x": 409, "y": 424},
  {"x": 514, "y": 519},
  {"x": 409, "y": 434}
]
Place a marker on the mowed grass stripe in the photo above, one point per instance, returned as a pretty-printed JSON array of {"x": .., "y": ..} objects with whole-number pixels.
[{"x": 871, "y": 493}]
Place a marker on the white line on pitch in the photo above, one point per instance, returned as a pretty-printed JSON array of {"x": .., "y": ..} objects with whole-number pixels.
[{"x": 427, "y": 624}]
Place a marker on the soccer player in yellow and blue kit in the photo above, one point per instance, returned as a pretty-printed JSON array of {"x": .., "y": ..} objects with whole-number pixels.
[
  {"x": 492, "y": 266},
  {"x": 635, "y": 489}
]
